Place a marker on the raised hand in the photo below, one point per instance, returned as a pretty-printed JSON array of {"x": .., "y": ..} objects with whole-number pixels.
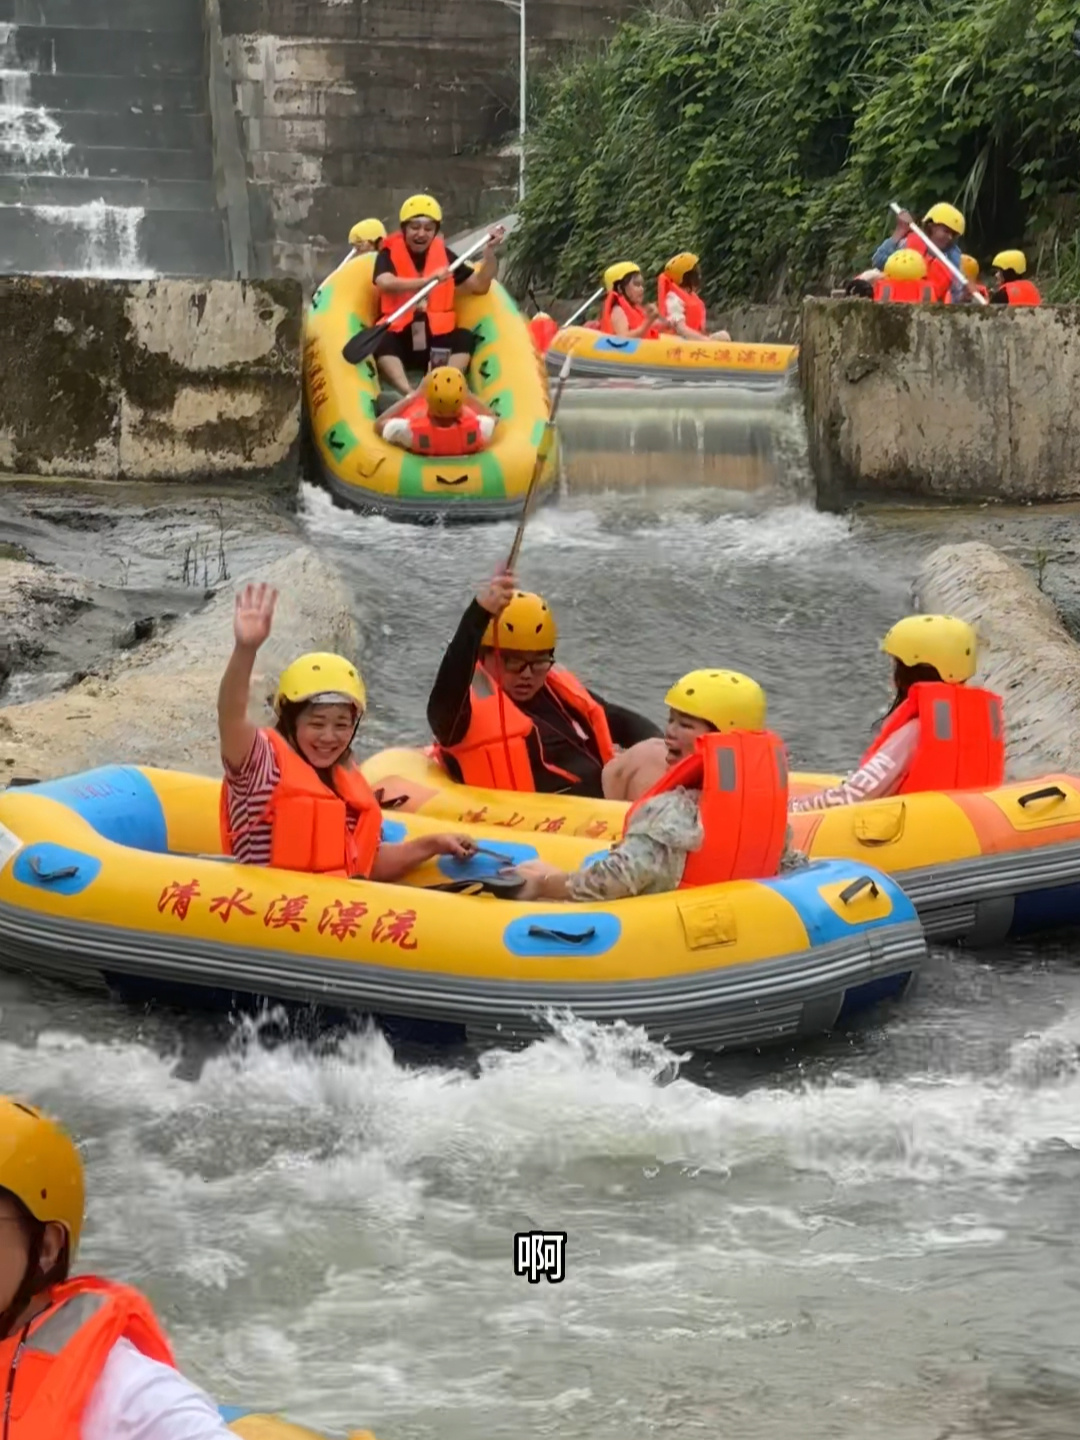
[
  {"x": 497, "y": 593},
  {"x": 253, "y": 616}
]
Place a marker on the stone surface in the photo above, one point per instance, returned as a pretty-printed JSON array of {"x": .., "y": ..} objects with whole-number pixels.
[
  {"x": 157, "y": 705},
  {"x": 34, "y": 601},
  {"x": 1025, "y": 653},
  {"x": 150, "y": 379},
  {"x": 959, "y": 402}
]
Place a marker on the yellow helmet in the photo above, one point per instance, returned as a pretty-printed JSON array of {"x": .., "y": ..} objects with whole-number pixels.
[
  {"x": 725, "y": 698},
  {"x": 942, "y": 214},
  {"x": 678, "y": 266},
  {"x": 1014, "y": 260},
  {"x": 525, "y": 624},
  {"x": 943, "y": 641},
  {"x": 905, "y": 265},
  {"x": 446, "y": 392},
  {"x": 370, "y": 230},
  {"x": 619, "y": 271},
  {"x": 418, "y": 205},
  {"x": 40, "y": 1166},
  {"x": 969, "y": 267},
  {"x": 323, "y": 678}
]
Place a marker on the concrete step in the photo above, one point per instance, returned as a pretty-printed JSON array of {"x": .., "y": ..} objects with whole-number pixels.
[
  {"x": 83, "y": 189},
  {"x": 58, "y": 50},
  {"x": 113, "y": 162},
  {"x": 180, "y": 15},
  {"x": 153, "y": 131},
  {"x": 103, "y": 240},
  {"x": 107, "y": 94}
]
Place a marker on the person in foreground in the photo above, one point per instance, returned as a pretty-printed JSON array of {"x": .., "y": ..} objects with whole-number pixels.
[
  {"x": 505, "y": 716},
  {"x": 442, "y": 418},
  {"x": 717, "y": 813},
  {"x": 84, "y": 1358},
  {"x": 293, "y": 798},
  {"x": 939, "y": 733}
]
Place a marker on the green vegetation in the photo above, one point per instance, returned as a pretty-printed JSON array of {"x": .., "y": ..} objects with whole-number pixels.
[{"x": 770, "y": 135}]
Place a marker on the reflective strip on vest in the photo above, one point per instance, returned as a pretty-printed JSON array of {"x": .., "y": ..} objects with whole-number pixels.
[
  {"x": 61, "y": 1326},
  {"x": 961, "y": 738},
  {"x": 943, "y": 729}
]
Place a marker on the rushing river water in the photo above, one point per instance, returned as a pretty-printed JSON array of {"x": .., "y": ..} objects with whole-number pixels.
[{"x": 871, "y": 1237}]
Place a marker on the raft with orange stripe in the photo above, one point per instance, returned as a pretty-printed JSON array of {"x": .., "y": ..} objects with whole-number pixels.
[{"x": 979, "y": 866}]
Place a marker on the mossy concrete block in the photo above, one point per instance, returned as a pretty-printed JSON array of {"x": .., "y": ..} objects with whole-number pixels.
[
  {"x": 957, "y": 402},
  {"x": 160, "y": 379}
]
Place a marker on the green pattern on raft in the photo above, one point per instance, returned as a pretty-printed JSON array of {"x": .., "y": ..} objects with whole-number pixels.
[
  {"x": 355, "y": 325},
  {"x": 503, "y": 404},
  {"x": 367, "y": 407},
  {"x": 320, "y": 301},
  {"x": 489, "y": 370},
  {"x": 539, "y": 426},
  {"x": 415, "y": 467},
  {"x": 486, "y": 331},
  {"x": 339, "y": 441}
]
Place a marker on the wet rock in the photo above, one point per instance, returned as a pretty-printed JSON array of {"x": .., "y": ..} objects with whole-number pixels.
[
  {"x": 1025, "y": 652},
  {"x": 157, "y": 704},
  {"x": 34, "y": 601}
]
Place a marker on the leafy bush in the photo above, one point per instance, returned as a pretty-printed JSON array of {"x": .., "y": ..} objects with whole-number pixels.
[{"x": 769, "y": 136}]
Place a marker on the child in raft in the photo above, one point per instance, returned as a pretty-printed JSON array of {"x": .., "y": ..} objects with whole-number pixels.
[{"x": 293, "y": 797}]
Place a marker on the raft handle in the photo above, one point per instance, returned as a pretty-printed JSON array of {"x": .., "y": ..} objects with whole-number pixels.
[
  {"x": 1049, "y": 792},
  {"x": 394, "y": 803},
  {"x": 857, "y": 887},
  {"x": 540, "y": 932},
  {"x": 67, "y": 872}
]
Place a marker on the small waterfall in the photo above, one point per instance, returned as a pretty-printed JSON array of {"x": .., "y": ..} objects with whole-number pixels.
[{"x": 93, "y": 238}]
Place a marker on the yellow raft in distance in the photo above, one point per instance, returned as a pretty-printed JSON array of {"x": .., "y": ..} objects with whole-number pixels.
[
  {"x": 672, "y": 358},
  {"x": 364, "y": 470}
]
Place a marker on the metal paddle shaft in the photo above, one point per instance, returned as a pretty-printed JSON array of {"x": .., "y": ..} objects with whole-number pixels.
[
  {"x": 364, "y": 343},
  {"x": 542, "y": 453},
  {"x": 938, "y": 255},
  {"x": 581, "y": 311}
]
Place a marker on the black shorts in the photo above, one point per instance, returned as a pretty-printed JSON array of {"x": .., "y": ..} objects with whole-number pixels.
[{"x": 400, "y": 343}]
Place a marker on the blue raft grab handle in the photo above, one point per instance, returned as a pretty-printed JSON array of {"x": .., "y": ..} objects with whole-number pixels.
[
  {"x": 855, "y": 889},
  {"x": 66, "y": 872},
  {"x": 1049, "y": 792},
  {"x": 566, "y": 937}
]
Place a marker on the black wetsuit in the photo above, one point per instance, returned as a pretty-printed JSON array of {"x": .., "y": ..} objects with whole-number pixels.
[{"x": 450, "y": 713}]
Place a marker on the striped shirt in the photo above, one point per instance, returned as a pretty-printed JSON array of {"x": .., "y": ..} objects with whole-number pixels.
[{"x": 248, "y": 791}]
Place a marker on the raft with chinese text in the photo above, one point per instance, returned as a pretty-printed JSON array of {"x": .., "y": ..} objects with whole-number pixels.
[
  {"x": 114, "y": 877},
  {"x": 669, "y": 357},
  {"x": 979, "y": 865},
  {"x": 366, "y": 471}
]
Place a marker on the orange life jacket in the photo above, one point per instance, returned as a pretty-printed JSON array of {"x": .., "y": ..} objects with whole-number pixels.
[
  {"x": 494, "y": 752},
  {"x": 460, "y": 437},
  {"x": 1022, "y": 292},
  {"x": 961, "y": 737},
  {"x": 979, "y": 290},
  {"x": 904, "y": 292},
  {"x": 743, "y": 779},
  {"x": 65, "y": 1353},
  {"x": 938, "y": 276},
  {"x": 694, "y": 306},
  {"x": 440, "y": 303},
  {"x": 543, "y": 330},
  {"x": 634, "y": 316},
  {"x": 308, "y": 822}
]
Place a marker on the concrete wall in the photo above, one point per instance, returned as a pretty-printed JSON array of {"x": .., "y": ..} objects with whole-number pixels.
[
  {"x": 348, "y": 108},
  {"x": 966, "y": 403},
  {"x": 170, "y": 379}
]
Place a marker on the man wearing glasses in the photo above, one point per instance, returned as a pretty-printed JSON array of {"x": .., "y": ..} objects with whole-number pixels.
[{"x": 506, "y": 717}]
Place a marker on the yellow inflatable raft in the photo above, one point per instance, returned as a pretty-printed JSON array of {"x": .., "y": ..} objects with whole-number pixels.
[
  {"x": 250, "y": 1425},
  {"x": 366, "y": 471},
  {"x": 115, "y": 877},
  {"x": 979, "y": 866},
  {"x": 671, "y": 358}
]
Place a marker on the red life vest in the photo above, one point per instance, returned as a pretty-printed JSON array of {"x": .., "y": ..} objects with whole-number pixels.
[
  {"x": 694, "y": 306},
  {"x": 309, "y": 823},
  {"x": 961, "y": 737},
  {"x": 1022, "y": 292},
  {"x": 440, "y": 303},
  {"x": 460, "y": 437},
  {"x": 543, "y": 330},
  {"x": 65, "y": 1353},
  {"x": 904, "y": 292},
  {"x": 634, "y": 316},
  {"x": 979, "y": 290},
  {"x": 494, "y": 753},
  {"x": 937, "y": 275},
  {"x": 743, "y": 779}
]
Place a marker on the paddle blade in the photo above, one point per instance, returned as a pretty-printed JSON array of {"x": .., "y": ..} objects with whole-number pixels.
[{"x": 364, "y": 343}]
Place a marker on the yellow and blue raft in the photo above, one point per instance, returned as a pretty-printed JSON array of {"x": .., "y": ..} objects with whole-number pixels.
[
  {"x": 669, "y": 357},
  {"x": 366, "y": 471},
  {"x": 115, "y": 878}
]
